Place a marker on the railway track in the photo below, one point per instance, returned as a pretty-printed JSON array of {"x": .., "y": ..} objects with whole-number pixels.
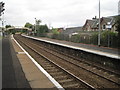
[
  {"x": 64, "y": 77},
  {"x": 83, "y": 64},
  {"x": 71, "y": 62}
]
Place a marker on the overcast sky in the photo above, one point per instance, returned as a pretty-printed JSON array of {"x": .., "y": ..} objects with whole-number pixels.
[{"x": 56, "y": 13}]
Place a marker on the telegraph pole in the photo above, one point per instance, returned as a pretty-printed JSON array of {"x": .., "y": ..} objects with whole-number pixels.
[{"x": 99, "y": 36}]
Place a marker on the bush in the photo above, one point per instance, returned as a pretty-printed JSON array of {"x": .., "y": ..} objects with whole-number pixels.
[
  {"x": 94, "y": 38},
  {"x": 75, "y": 38},
  {"x": 106, "y": 36}
]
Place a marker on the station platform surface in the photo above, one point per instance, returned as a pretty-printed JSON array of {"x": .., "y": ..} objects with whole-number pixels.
[
  {"x": 12, "y": 74},
  {"x": 94, "y": 48},
  {"x": 18, "y": 71}
]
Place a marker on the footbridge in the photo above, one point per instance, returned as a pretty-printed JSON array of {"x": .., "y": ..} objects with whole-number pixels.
[{"x": 18, "y": 28}]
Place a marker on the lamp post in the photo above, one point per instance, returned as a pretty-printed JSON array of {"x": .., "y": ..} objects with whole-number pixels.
[{"x": 99, "y": 36}]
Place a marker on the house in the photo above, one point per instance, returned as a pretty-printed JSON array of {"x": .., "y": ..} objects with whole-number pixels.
[
  {"x": 92, "y": 25},
  {"x": 60, "y": 29}
]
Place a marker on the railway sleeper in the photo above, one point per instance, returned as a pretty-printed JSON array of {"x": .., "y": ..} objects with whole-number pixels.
[
  {"x": 61, "y": 77},
  {"x": 43, "y": 61},
  {"x": 53, "y": 70},
  {"x": 56, "y": 73},
  {"x": 48, "y": 65},
  {"x": 49, "y": 68},
  {"x": 65, "y": 80},
  {"x": 71, "y": 85}
]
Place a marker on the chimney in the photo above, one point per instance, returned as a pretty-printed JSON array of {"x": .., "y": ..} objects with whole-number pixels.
[{"x": 94, "y": 18}]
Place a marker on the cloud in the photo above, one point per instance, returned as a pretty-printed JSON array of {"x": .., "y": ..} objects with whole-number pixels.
[
  {"x": 109, "y": 7},
  {"x": 57, "y": 12}
]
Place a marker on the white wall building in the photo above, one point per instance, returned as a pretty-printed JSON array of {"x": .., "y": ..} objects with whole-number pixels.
[{"x": 119, "y": 7}]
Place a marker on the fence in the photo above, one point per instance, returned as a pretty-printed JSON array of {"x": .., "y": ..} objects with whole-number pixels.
[{"x": 108, "y": 39}]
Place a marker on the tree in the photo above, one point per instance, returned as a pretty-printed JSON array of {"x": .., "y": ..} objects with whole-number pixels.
[
  {"x": 28, "y": 25},
  {"x": 42, "y": 29},
  {"x": 118, "y": 23},
  {"x": 55, "y": 31},
  {"x": 7, "y": 26},
  {"x": 38, "y": 22}
]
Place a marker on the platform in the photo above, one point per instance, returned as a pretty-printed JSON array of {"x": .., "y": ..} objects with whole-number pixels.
[
  {"x": 18, "y": 69},
  {"x": 12, "y": 74},
  {"x": 103, "y": 51}
]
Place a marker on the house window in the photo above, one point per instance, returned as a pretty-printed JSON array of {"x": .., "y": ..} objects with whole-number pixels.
[{"x": 104, "y": 27}]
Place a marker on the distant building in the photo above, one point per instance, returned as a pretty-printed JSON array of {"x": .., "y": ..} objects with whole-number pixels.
[
  {"x": 60, "y": 29},
  {"x": 92, "y": 25},
  {"x": 119, "y": 7},
  {"x": 72, "y": 30}
]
